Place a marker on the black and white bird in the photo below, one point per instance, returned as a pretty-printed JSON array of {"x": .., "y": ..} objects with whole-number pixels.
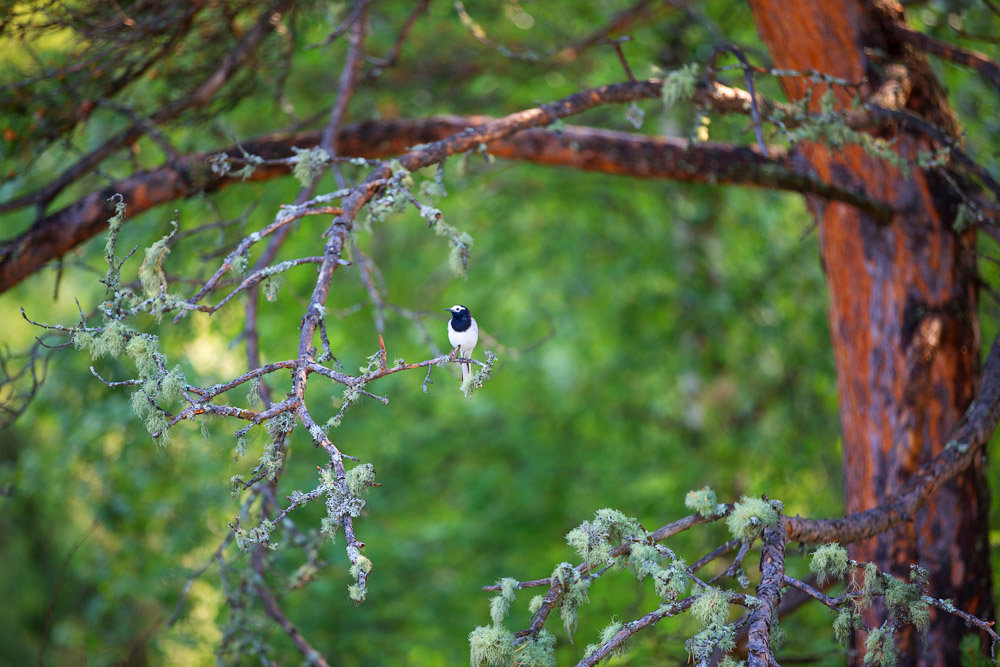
[{"x": 463, "y": 333}]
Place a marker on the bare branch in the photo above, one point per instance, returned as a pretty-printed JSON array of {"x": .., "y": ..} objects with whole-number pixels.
[
  {"x": 392, "y": 56},
  {"x": 310, "y": 654}
]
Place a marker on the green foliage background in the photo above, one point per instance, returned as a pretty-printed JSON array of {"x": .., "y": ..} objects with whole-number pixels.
[{"x": 654, "y": 338}]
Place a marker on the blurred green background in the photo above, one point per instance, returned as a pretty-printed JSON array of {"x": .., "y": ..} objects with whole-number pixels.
[{"x": 653, "y": 338}]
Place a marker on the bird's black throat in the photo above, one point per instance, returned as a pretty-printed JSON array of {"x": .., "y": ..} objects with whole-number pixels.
[{"x": 461, "y": 321}]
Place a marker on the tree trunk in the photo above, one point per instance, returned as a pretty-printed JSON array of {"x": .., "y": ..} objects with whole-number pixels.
[{"x": 902, "y": 308}]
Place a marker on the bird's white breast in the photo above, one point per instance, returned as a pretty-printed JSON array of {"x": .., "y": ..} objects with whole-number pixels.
[{"x": 464, "y": 339}]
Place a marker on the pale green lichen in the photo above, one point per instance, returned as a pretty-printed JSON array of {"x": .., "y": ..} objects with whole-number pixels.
[
  {"x": 241, "y": 448},
  {"x": 906, "y": 601},
  {"x": 434, "y": 189},
  {"x": 574, "y": 594},
  {"x": 673, "y": 581},
  {"x": 172, "y": 385},
  {"x": 595, "y": 540},
  {"x": 239, "y": 264},
  {"x": 253, "y": 392},
  {"x": 272, "y": 460},
  {"x": 703, "y": 501},
  {"x": 871, "y": 585},
  {"x": 151, "y": 275},
  {"x": 309, "y": 163},
  {"x": 360, "y": 478},
  {"x": 829, "y": 562},
  {"x": 491, "y": 646},
  {"x": 500, "y": 604},
  {"x": 607, "y": 634},
  {"x": 110, "y": 341},
  {"x": 644, "y": 560},
  {"x": 635, "y": 115},
  {"x": 361, "y": 566},
  {"x": 459, "y": 243},
  {"x": 340, "y": 502},
  {"x": 711, "y": 608},
  {"x": 259, "y": 535},
  {"x": 115, "y": 223},
  {"x": 880, "y": 647},
  {"x": 537, "y": 651},
  {"x": 679, "y": 84},
  {"x": 357, "y": 593},
  {"x": 142, "y": 350},
  {"x": 844, "y": 625},
  {"x": 716, "y": 639},
  {"x": 750, "y": 516},
  {"x": 271, "y": 286}
]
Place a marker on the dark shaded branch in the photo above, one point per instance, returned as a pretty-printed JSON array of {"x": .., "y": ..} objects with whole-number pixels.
[
  {"x": 159, "y": 28},
  {"x": 984, "y": 626},
  {"x": 965, "y": 444},
  {"x": 772, "y": 572},
  {"x": 345, "y": 87},
  {"x": 19, "y": 385},
  {"x": 392, "y": 57},
  {"x": 724, "y": 99},
  {"x": 639, "y": 12},
  {"x": 311, "y": 655},
  {"x": 719, "y": 551},
  {"x": 814, "y": 593},
  {"x": 989, "y": 69},
  {"x": 197, "y": 97},
  {"x": 337, "y": 32},
  {"x": 754, "y": 103}
]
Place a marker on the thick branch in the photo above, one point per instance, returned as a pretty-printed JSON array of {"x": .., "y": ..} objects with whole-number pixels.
[
  {"x": 772, "y": 571},
  {"x": 965, "y": 444},
  {"x": 582, "y": 148}
]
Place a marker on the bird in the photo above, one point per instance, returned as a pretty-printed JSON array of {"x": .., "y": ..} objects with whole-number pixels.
[{"x": 463, "y": 333}]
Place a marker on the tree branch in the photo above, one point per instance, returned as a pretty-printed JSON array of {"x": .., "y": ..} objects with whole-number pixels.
[
  {"x": 197, "y": 97},
  {"x": 583, "y": 148},
  {"x": 966, "y": 443},
  {"x": 989, "y": 69},
  {"x": 632, "y": 627},
  {"x": 311, "y": 655},
  {"x": 772, "y": 571}
]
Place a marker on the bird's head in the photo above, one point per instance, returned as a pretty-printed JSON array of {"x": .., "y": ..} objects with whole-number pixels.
[{"x": 457, "y": 309}]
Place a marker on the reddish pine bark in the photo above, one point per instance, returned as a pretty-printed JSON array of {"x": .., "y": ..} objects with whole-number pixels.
[{"x": 902, "y": 310}]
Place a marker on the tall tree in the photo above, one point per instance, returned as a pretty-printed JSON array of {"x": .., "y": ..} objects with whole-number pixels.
[{"x": 903, "y": 298}]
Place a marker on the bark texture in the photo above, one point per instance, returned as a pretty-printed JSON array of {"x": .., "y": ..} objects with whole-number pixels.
[{"x": 902, "y": 307}]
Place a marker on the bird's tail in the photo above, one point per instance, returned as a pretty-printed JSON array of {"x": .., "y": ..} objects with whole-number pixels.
[{"x": 466, "y": 373}]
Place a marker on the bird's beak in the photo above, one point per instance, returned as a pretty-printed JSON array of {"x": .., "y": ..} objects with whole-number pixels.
[{"x": 447, "y": 310}]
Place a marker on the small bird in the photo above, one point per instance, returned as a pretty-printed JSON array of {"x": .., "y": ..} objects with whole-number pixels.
[{"x": 463, "y": 333}]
